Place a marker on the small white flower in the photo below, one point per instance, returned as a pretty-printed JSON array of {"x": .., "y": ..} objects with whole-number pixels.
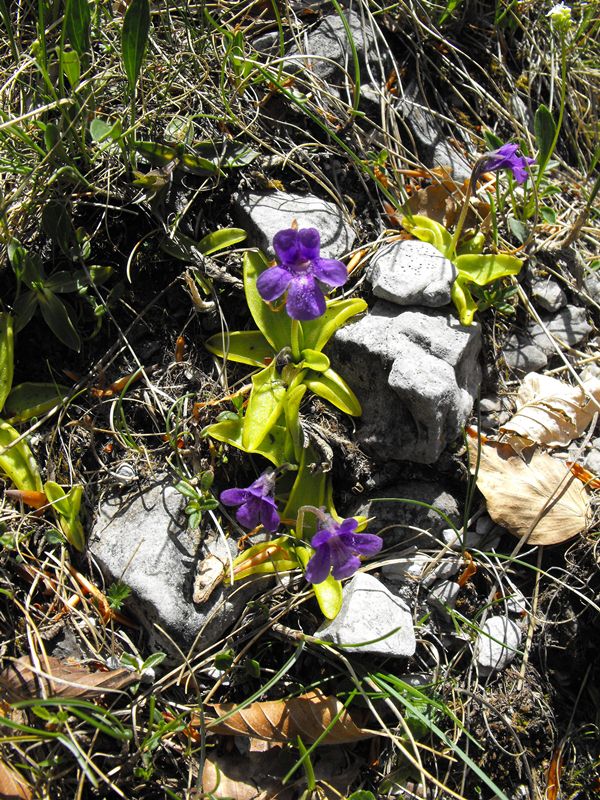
[{"x": 560, "y": 17}]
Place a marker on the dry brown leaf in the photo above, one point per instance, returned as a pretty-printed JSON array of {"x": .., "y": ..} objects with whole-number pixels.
[
  {"x": 520, "y": 487},
  {"x": 284, "y": 720},
  {"x": 551, "y": 412},
  {"x": 21, "y": 680},
  {"x": 13, "y": 785},
  {"x": 256, "y": 777}
]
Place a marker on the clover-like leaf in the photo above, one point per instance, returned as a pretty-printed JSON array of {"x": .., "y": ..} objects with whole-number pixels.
[
  {"x": 329, "y": 592},
  {"x": 27, "y": 400},
  {"x": 483, "y": 269},
  {"x": 274, "y": 447},
  {"x": 319, "y": 331},
  {"x": 57, "y": 318},
  {"x": 428, "y": 230}
]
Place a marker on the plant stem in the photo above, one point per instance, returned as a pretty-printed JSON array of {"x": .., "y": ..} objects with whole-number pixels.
[
  {"x": 296, "y": 338},
  {"x": 451, "y": 254}
]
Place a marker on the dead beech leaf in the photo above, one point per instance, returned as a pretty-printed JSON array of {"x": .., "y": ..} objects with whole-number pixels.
[
  {"x": 13, "y": 785},
  {"x": 257, "y": 776},
  {"x": 21, "y": 680},
  {"x": 520, "y": 487},
  {"x": 284, "y": 720},
  {"x": 551, "y": 412}
]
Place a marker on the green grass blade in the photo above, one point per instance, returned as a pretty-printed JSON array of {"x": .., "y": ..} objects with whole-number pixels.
[{"x": 383, "y": 684}]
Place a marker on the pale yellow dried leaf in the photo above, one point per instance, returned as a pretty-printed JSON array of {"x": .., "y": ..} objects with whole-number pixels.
[
  {"x": 551, "y": 412},
  {"x": 519, "y": 488}
]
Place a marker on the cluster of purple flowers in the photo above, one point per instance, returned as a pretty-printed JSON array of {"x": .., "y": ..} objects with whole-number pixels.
[{"x": 337, "y": 546}]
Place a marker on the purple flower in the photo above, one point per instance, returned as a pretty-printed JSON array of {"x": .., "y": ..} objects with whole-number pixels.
[
  {"x": 301, "y": 272},
  {"x": 337, "y": 546},
  {"x": 505, "y": 157},
  {"x": 256, "y": 504}
]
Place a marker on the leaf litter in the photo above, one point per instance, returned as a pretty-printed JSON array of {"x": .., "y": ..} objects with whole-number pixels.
[{"x": 529, "y": 492}]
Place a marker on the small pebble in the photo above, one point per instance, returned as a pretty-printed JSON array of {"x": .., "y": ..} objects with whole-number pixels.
[{"x": 497, "y": 644}]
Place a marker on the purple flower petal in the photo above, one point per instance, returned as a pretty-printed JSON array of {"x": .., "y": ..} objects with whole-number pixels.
[
  {"x": 286, "y": 246},
  {"x": 346, "y": 568},
  {"x": 305, "y": 299},
  {"x": 248, "y": 514},
  {"x": 330, "y": 271},
  {"x": 347, "y": 526},
  {"x": 337, "y": 547},
  {"x": 273, "y": 282},
  {"x": 256, "y": 504},
  {"x": 318, "y": 567},
  {"x": 367, "y": 544},
  {"x": 269, "y": 518},
  {"x": 310, "y": 243},
  {"x": 233, "y": 497},
  {"x": 506, "y": 157}
]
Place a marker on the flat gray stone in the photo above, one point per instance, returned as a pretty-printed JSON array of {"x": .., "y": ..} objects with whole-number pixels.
[
  {"x": 405, "y": 522},
  {"x": 416, "y": 374},
  {"x": 432, "y": 143},
  {"x": 443, "y": 596},
  {"x": 521, "y": 355},
  {"x": 141, "y": 539},
  {"x": 569, "y": 325},
  {"x": 530, "y": 350},
  {"x": 406, "y": 570},
  {"x": 497, "y": 644},
  {"x": 326, "y": 47},
  {"x": 263, "y": 214},
  {"x": 445, "y": 569},
  {"x": 370, "y": 611},
  {"x": 548, "y": 295},
  {"x": 410, "y": 272}
]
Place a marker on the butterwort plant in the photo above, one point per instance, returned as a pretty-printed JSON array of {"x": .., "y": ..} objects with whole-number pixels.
[
  {"x": 473, "y": 266},
  {"x": 286, "y": 351}
]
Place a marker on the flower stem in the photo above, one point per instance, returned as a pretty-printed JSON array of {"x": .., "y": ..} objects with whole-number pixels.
[
  {"x": 296, "y": 339},
  {"x": 561, "y": 108},
  {"x": 451, "y": 254}
]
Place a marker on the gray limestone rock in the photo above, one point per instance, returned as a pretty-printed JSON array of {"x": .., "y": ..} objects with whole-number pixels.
[
  {"x": 415, "y": 373},
  {"x": 327, "y": 47},
  {"x": 412, "y": 273},
  {"x": 405, "y": 522},
  {"x": 529, "y": 351},
  {"x": 370, "y": 611},
  {"x": 569, "y": 325},
  {"x": 548, "y": 294},
  {"x": 497, "y": 644},
  {"x": 523, "y": 356},
  {"x": 405, "y": 570},
  {"x": 432, "y": 143},
  {"x": 263, "y": 214},
  {"x": 142, "y": 539},
  {"x": 443, "y": 596}
]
